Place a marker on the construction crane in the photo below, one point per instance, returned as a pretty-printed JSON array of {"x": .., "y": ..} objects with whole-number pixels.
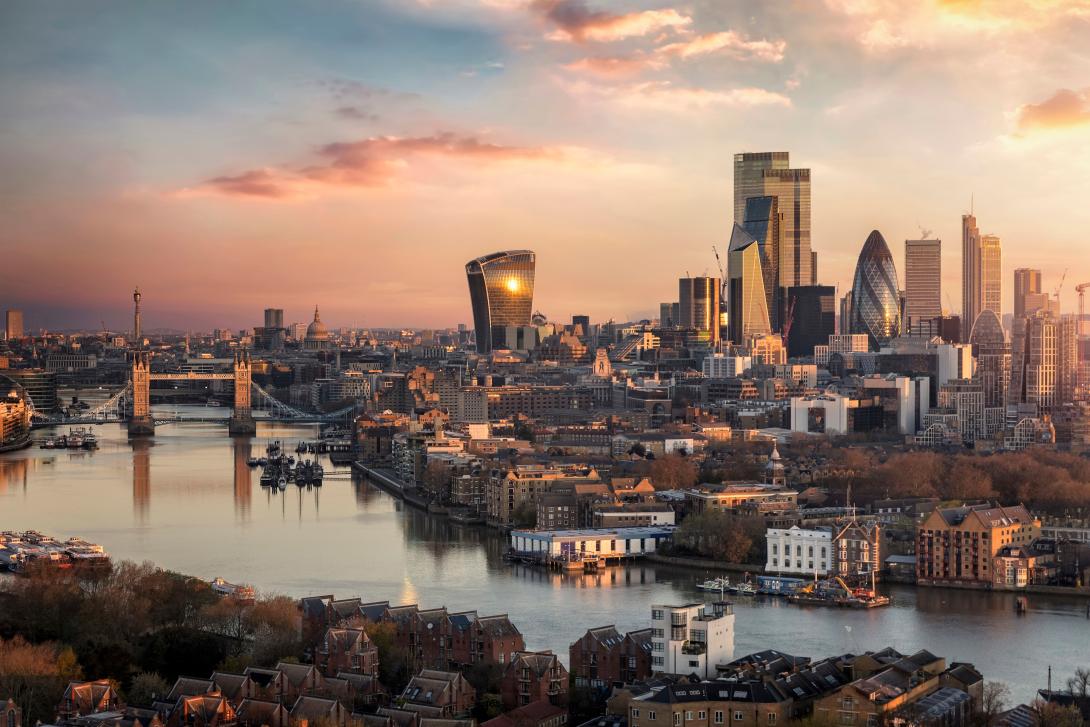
[
  {"x": 1056, "y": 293},
  {"x": 1081, "y": 289},
  {"x": 789, "y": 319}
]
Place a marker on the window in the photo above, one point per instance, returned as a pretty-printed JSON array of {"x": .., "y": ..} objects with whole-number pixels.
[
  {"x": 772, "y": 718},
  {"x": 651, "y": 715},
  {"x": 774, "y": 562},
  {"x": 688, "y": 716},
  {"x": 811, "y": 553},
  {"x": 702, "y": 714},
  {"x": 694, "y": 663},
  {"x": 635, "y": 712},
  {"x": 738, "y": 715},
  {"x": 718, "y": 717},
  {"x": 775, "y": 549},
  {"x": 656, "y": 614},
  {"x": 656, "y": 660},
  {"x": 677, "y": 719}
]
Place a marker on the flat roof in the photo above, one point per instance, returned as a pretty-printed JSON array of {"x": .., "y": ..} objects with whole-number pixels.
[{"x": 623, "y": 533}]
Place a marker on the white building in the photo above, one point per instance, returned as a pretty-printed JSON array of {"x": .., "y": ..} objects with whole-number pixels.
[
  {"x": 823, "y": 414},
  {"x": 722, "y": 366},
  {"x": 692, "y": 639},
  {"x": 797, "y": 550}
]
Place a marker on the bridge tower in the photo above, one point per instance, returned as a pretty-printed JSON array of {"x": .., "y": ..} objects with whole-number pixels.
[
  {"x": 141, "y": 422},
  {"x": 242, "y": 417}
]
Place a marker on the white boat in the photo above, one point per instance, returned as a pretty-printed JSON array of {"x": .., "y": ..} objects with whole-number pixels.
[
  {"x": 242, "y": 593},
  {"x": 282, "y": 483},
  {"x": 715, "y": 584},
  {"x": 744, "y": 589}
]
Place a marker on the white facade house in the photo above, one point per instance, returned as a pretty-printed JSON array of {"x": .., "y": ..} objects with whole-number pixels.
[
  {"x": 692, "y": 639},
  {"x": 797, "y": 550}
]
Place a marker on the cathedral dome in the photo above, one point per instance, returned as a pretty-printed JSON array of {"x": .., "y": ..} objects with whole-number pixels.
[{"x": 316, "y": 331}]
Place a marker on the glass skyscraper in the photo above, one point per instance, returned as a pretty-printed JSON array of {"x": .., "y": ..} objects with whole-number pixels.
[
  {"x": 993, "y": 358},
  {"x": 768, "y": 174},
  {"x": 876, "y": 301},
  {"x": 748, "y": 312},
  {"x": 501, "y": 292},
  {"x": 699, "y": 307},
  {"x": 981, "y": 272}
]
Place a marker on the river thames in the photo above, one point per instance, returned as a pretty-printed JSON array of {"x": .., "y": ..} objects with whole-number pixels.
[{"x": 187, "y": 501}]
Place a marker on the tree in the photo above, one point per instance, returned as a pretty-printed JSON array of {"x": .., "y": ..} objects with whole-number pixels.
[
  {"x": 394, "y": 665},
  {"x": 34, "y": 676},
  {"x": 720, "y": 536},
  {"x": 1049, "y": 714},
  {"x": 992, "y": 703},
  {"x": 524, "y": 515},
  {"x": 673, "y": 472},
  {"x": 176, "y": 650},
  {"x": 436, "y": 481},
  {"x": 1079, "y": 685},
  {"x": 145, "y": 688}
]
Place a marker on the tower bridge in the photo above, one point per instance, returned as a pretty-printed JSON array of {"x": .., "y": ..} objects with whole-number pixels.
[
  {"x": 141, "y": 421},
  {"x": 136, "y": 397}
]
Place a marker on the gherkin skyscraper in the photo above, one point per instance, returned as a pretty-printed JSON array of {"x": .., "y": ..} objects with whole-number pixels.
[{"x": 876, "y": 302}]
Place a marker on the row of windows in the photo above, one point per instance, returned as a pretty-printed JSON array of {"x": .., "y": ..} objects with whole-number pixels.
[
  {"x": 717, "y": 716},
  {"x": 798, "y": 550}
]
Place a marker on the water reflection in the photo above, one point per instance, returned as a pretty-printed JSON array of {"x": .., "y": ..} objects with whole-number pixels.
[
  {"x": 13, "y": 474},
  {"x": 141, "y": 477},
  {"x": 243, "y": 482}
]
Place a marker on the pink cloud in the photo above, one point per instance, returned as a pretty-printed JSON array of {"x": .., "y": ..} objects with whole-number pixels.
[
  {"x": 576, "y": 22},
  {"x": 668, "y": 97},
  {"x": 1063, "y": 109},
  {"x": 371, "y": 162},
  {"x": 727, "y": 42}
]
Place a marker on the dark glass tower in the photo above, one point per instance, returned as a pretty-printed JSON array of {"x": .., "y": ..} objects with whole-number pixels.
[
  {"x": 876, "y": 301},
  {"x": 501, "y": 292}
]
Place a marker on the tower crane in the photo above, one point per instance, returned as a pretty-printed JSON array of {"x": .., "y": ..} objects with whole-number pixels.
[
  {"x": 1081, "y": 289},
  {"x": 1056, "y": 293}
]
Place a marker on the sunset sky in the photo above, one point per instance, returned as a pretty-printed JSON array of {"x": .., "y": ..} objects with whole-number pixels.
[{"x": 228, "y": 157}]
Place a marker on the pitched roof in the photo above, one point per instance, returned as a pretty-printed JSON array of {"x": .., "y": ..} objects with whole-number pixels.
[
  {"x": 189, "y": 687},
  {"x": 499, "y": 625},
  {"x": 313, "y": 707}
]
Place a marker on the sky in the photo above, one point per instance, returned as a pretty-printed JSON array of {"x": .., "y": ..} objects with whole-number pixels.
[{"x": 354, "y": 154}]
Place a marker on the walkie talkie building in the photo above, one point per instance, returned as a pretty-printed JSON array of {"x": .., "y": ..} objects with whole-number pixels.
[{"x": 501, "y": 292}]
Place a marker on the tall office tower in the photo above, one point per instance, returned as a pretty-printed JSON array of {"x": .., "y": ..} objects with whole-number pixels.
[
  {"x": 923, "y": 281},
  {"x": 747, "y": 301},
  {"x": 768, "y": 174},
  {"x": 501, "y": 293},
  {"x": 1034, "y": 361},
  {"x": 749, "y": 169},
  {"x": 970, "y": 270},
  {"x": 813, "y": 319},
  {"x": 993, "y": 358},
  {"x": 582, "y": 321},
  {"x": 876, "y": 304},
  {"x": 274, "y": 317},
  {"x": 991, "y": 274},
  {"x": 1027, "y": 282},
  {"x": 791, "y": 187},
  {"x": 13, "y": 327},
  {"x": 699, "y": 307},
  {"x": 844, "y": 322},
  {"x": 1067, "y": 359},
  {"x": 813, "y": 268},
  {"x": 981, "y": 272},
  {"x": 763, "y": 222},
  {"x": 137, "y": 332},
  {"x": 667, "y": 318}
]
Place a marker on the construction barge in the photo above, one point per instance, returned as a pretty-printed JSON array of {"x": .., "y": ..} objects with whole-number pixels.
[
  {"x": 836, "y": 592},
  {"x": 24, "y": 552}
]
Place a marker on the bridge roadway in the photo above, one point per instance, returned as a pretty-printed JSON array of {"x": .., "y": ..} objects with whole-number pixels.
[{"x": 43, "y": 423}]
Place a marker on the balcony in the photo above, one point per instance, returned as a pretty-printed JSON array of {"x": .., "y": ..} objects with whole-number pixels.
[{"x": 694, "y": 648}]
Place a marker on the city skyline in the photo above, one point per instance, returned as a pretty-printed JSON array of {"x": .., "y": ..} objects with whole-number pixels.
[{"x": 337, "y": 143}]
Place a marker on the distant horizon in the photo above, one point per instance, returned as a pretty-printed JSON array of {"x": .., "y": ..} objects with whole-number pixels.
[{"x": 227, "y": 161}]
